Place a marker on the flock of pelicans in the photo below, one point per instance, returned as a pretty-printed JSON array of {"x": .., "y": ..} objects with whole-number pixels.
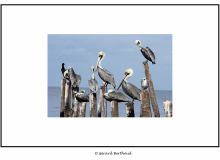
[{"x": 131, "y": 90}]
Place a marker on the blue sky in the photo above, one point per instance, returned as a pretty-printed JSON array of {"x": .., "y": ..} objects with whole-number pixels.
[{"x": 80, "y": 51}]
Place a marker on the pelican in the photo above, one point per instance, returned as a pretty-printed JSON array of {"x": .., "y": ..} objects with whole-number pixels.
[
  {"x": 64, "y": 72},
  {"x": 147, "y": 53},
  {"x": 144, "y": 84},
  {"x": 81, "y": 96},
  {"x": 115, "y": 96},
  {"x": 131, "y": 90},
  {"x": 105, "y": 75},
  {"x": 93, "y": 84},
  {"x": 74, "y": 78}
]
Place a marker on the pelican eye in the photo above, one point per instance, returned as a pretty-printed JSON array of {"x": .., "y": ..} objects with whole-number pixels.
[{"x": 126, "y": 73}]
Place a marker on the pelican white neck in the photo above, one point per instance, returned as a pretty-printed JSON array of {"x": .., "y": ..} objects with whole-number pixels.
[
  {"x": 100, "y": 60},
  {"x": 93, "y": 74}
]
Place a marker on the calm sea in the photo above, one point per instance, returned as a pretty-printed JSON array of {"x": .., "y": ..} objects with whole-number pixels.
[{"x": 54, "y": 94}]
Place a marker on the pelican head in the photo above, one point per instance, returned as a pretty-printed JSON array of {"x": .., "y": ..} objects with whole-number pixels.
[
  {"x": 143, "y": 79},
  {"x": 138, "y": 43},
  {"x": 92, "y": 68},
  {"x": 128, "y": 73},
  {"x": 101, "y": 56},
  {"x": 83, "y": 91}
]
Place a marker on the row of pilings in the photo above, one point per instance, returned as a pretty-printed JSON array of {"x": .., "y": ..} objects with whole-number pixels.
[{"x": 79, "y": 109}]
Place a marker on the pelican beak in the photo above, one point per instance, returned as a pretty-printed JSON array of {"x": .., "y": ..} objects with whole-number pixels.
[
  {"x": 97, "y": 64},
  {"x": 121, "y": 81}
]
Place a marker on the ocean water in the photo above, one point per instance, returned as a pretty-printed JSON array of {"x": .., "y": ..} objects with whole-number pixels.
[{"x": 54, "y": 94}]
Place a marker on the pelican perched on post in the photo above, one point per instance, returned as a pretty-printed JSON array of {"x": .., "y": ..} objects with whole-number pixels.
[
  {"x": 75, "y": 79},
  {"x": 115, "y": 96},
  {"x": 144, "y": 84},
  {"x": 147, "y": 53},
  {"x": 65, "y": 72},
  {"x": 131, "y": 90},
  {"x": 105, "y": 75},
  {"x": 81, "y": 96},
  {"x": 93, "y": 84}
]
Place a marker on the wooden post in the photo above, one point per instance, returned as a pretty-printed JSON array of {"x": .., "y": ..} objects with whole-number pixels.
[
  {"x": 62, "y": 101},
  {"x": 168, "y": 108},
  {"x": 151, "y": 91},
  {"x": 145, "y": 105},
  {"x": 75, "y": 103},
  {"x": 82, "y": 109},
  {"x": 92, "y": 104},
  {"x": 129, "y": 110},
  {"x": 104, "y": 106},
  {"x": 67, "y": 99},
  {"x": 114, "y": 109},
  {"x": 100, "y": 104}
]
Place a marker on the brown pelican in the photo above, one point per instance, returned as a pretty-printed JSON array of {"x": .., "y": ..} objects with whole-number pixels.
[
  {"x": 78, "y": 80},
  {"x": 81, "y": 96},
  {"x": 115, "y": 96},
  {"x": 131, "y": 90},
  {"x": 93, "y": 84},
  {"x": 147, "y": 53},
  {"x": 74, "y": 78},
  {"x": 105, "y": 75},
  {"x": 144, "y": 84}
]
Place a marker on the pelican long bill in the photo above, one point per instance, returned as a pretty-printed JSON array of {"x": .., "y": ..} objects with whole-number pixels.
[
  {"x": 121, "y": 81},
  {"x": 97, "y": 64}
]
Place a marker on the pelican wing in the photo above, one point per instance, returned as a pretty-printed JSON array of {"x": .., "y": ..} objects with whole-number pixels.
[
  {"x": 78, "y": 79},
  {"x": 93, "y": 85},
  {"x": 133, "y": 90},
  {"x": 72, "y": 77},
  {"x": 118, "y": 96},
  {"x": 106, "y": 76},
  {"x": 151, "y": 53},
  {"x": 82, "y": 97}
]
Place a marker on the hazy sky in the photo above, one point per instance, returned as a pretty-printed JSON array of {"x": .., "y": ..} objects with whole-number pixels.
[{"x": 80, "y": 51}]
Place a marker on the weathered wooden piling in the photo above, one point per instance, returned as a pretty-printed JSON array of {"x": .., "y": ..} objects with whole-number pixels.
[
  {"x": 145, "y": 105},
  {"x": 100, "y": 104},
  {"x": 82, "y": 109},
  {"x": 62, "y": 100},
  {"x": 93, "y": 104},
  {"x": 67, "y": 99},
  {"x": 104, "y": 106},
  {"x": 168, "y": 108},
  {"x": 129, "y": 109},
  {"x": 114, "y": 109},
  {"x": 75, "y": 102},
  {"x": 151, "y": 91}
]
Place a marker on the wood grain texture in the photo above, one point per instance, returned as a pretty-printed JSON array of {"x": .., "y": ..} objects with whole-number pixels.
[
  {"x": 129, "y": 109},
  {"x": 67, "y": 99},
  {"x": 168, "y": 108},
  {"x": 145, "y": 105},
  {"x": 82, "y": 109},
  {"x": 75, "y": 103},
  {"x": 114, "y": 109},
  {"x": 104, "y": 106},
  {"x": 151, "y": 91},
  {"x": 92, "y": 104},
  {"x": 62, "y": 99},
  {"x": 101, "y": 98}
]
